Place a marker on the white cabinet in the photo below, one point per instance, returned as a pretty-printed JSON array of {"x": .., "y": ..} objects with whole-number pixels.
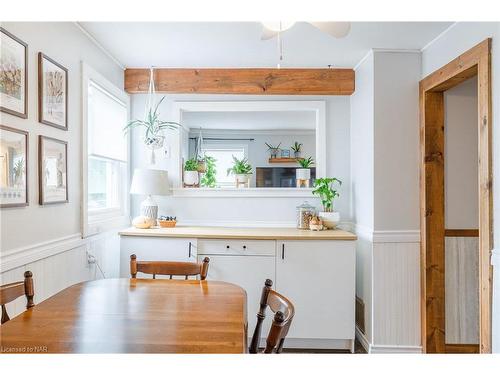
[
  {"x": 319, "y": 278},
  {"x": 235, "y": 262},
  {"x": 156, "y": 248}
]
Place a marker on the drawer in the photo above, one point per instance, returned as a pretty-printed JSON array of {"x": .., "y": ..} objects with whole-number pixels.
[{"x": 237, "y": 247}]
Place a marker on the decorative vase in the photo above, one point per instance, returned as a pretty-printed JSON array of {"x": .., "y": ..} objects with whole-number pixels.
[
  {"x": 274, "y": 153},
  {"x": 191, "y": 178},
  {"x": 296, "y": 154},
  {"x": 330, "y": 219},
  {"x": 242, "y": 179}
]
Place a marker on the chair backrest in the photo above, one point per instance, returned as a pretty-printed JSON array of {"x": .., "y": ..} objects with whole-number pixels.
[
  {"x": 283, "y": 311},
  {"x": 12, "y": 291},
  {"x": 169, "y": 268}
]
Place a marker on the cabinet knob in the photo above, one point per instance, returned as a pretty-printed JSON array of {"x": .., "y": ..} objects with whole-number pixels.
[
  {"x": 227, "y": 247},
  {"x": 244, "y": 247}
]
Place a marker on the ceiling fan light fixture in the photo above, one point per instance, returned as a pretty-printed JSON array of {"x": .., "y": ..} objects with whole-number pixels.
[{"x": 278, "y": 26}]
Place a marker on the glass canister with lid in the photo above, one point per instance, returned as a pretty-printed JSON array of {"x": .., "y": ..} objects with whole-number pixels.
[{"x": 305, "y": 213}]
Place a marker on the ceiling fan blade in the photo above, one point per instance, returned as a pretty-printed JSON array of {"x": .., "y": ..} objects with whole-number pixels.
[
  {"x": 335, "y": 29},
  {"x": 267, "y": 33}
]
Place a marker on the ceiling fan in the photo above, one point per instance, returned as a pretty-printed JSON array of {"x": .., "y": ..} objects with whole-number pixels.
[{"x": 335, "y": 29}]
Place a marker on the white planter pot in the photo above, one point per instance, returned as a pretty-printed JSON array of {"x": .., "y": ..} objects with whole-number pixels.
[
  {"x": 191, "y": 177},
  {"x": 303, "y": 174},
  {"x": 242, "y": 179},
  {"x": 330, "y": 219}
]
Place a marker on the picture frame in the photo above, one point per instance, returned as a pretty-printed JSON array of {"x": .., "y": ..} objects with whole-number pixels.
[
  {"x": 52, "y": 170},
  {"x": 14, "y": 162},
  {"x": 285, "y": 154},
  {"x": 13, "y": 75},
  {"x": 52, "y": 93}
]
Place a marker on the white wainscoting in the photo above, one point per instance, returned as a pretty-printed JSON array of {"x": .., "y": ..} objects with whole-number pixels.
[
  {"x": 462, "y": 290},
  {"x": 59, "y": 266},
  {"x": 389, "y": 284}
]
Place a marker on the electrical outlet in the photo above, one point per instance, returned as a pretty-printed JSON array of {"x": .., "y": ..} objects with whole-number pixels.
[
  {"x": 90, "y": 258},
  {"x": 166, "y": 151}
]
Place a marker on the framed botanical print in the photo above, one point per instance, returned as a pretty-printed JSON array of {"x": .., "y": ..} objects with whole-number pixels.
[
  {"x": 52, "y": 170},
  {"x": 13, "y": 75},
  {"x": 13, "y": 167},
  {"x": 52, "y": 93}
]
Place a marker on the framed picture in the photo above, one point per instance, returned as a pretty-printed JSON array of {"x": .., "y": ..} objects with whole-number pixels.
[
  {"x": 52, "y": 170},
  {"x": 52, "y": 93},
  {"x": 13, "y": 75},
  {"x": 285, "y": 153},
  {"x": 13, "y": 167}
]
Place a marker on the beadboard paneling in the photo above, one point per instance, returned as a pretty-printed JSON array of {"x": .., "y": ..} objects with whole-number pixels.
[
  {"x": 57, "y": 272},
  {"x": 462, "y": 290},
  {"x": 396, "y": 294}
]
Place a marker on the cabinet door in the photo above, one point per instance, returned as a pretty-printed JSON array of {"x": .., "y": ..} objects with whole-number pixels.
[
  {"x": 319, "y": 278},
  {"x": 250, "y": 273},
  {"x": 155, "y": 248}
]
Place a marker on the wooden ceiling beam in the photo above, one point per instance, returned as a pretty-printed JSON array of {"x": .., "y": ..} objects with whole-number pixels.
[{"x": 251, "y": 81}]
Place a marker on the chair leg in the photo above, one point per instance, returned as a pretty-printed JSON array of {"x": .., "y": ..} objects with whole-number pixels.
[{"x": 280, "y": 346}]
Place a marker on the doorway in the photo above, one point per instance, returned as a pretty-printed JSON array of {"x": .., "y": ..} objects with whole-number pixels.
[{"x": 475, "y": 63}]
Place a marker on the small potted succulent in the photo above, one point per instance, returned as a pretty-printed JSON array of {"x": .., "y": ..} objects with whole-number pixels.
[
  {"x": 303, "y": 174},
  {"x": 241, "y": 170},
  {"x": 273, "y": 150},
  {"x": 324, "y": 188},
  {"x": 191, "y": 176},
  {"x": 296, "y": 148}
]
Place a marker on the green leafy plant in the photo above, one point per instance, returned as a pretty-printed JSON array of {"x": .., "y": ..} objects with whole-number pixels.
[
  {"x": 240, "y": 167},
  {"x": 152, "y": 124},
  {"x": 306, "y": 163},
  {"x": 273, "y": 148},
  {"x": 191, "y": 165},
  {"x": 296, "y": 147},
  {"x": 18, "y": 169},
  {"x": 324, "y": 188},
  {"x": 208, "y": 179}
]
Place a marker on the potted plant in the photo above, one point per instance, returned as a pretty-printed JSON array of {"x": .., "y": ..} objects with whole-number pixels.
[
  {"x": 209, "y": 179},
  {"x": 296, "y": 149},
  {"x": 324, "y": 188},
  {"x": 153, "y": 129},
  {"x": 191, "y": 172},
  {"x": 242, "y": 170},
  {"x": 303, "y": 174},
  {"x": 273, "y": 150}
]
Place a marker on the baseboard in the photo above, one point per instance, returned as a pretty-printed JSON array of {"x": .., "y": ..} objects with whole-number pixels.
[
  {"x": 363, "y": 340},
  {"x": 339, "y": 344},
  {"x": 385, "y": 349},
  {"x": 394, "y": 349}
]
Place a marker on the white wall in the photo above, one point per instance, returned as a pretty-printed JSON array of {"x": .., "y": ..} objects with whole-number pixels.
[
  {"x": 384, "y": 167},
  {"x": 461, "y": 158},
  {"x": 32, "y": 233},
  {"x": 458, "y": 39},
  {"x": 244, "y": 211}
]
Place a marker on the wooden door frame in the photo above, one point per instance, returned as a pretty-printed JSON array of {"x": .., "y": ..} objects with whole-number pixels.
[{"x": 476, "y": 61}]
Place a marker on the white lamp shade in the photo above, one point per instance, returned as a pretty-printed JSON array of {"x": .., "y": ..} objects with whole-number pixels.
[{"x": 150, "y": 182}]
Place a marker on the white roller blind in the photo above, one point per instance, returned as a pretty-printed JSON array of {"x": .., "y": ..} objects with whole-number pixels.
[{"x": 107, "y": 116}]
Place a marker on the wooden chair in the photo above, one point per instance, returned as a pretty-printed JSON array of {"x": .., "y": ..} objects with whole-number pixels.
[
  {"x": 169, "y": 268},
  {"x": 13, "y": 291},
  {"x": 283, "y": 311}
]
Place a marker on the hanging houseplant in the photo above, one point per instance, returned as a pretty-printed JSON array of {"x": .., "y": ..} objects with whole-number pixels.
[{"x": 153, "y": 137}]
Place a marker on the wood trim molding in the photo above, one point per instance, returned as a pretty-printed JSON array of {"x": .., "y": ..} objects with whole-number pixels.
[
  {"x": 461, "y": 232},
  {"x": 247, "y": 81},
  {"x": 476, "y": 61}
]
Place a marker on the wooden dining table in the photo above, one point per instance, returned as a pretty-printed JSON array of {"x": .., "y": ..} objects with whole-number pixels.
[{"x": 133, "y": 316}]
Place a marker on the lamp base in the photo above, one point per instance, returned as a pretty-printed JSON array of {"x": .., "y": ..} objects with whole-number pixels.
[{"x": 149, "y": 208}]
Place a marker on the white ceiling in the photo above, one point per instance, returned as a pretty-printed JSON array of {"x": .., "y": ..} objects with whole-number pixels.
[
  {"x": 256, "y": 121},
  {"x": 238, "y": 44}
]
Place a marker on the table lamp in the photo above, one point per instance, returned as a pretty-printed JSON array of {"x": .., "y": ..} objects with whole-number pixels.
[{"x": 150, "y": 182}]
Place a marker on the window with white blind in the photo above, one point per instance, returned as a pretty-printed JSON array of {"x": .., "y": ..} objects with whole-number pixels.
[{"x": 106, "y": 154}]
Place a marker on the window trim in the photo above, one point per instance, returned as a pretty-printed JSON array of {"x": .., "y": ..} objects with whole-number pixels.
[
  {"x": 107, "y": 219},
  {"x": 220, "y": 146}
]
